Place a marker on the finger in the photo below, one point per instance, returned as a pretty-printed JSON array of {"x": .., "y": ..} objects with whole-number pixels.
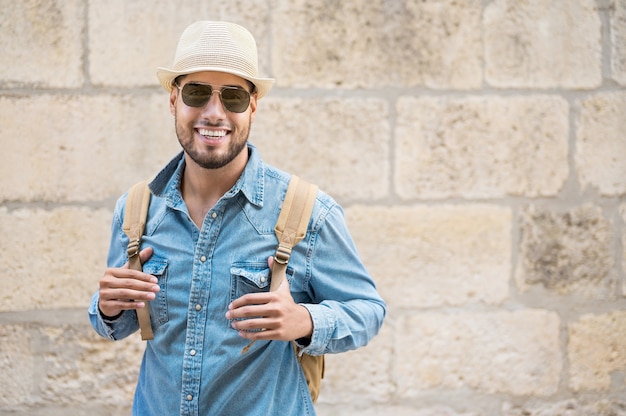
[
  {"x": 259, "y": 335},
  {"x": 114, "y": 300},
  {"x": 255, "y": 324},
  {"x": 145, "y": 254},
  {"x": 122, "y": 279},
  {"x": 283, "y": 288},
  {"x": 252, "y": 299},
  {"x": 129, "y": 294}
]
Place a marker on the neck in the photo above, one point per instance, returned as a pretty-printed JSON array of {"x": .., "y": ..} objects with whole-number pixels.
[{"x": 201, "y": 188}]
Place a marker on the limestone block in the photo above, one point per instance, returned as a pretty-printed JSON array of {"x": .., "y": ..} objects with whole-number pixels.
[
  {"x": 570, "y": 252},
  {"x": 18, "y": 366},
  {"x": 572, "y": 407},
  {"x": 434, "y": 256},
  {"x": 363, "y": 373},
  {"x": 42, "y": 43},
  {"x": 596, "y": 350},
  {"x": 129, "y": 40},
  {"x": 491, "y": 352},
  {"x": 623, "y": 214},
  {"x": 81, "y": 148},
  {"x": 53, "y": 259},
  {"x": 600, "y": 144},
  {"x": 618, "y": 40},
  {"x": 81, "y": 368},
  {"x": 543, "y": 44},
  {"x": 389, "y": 409},
  {"x": 376, "y": 43},
  {"x": 481, "y": 147},
  {"x": 342, "y": 145}
]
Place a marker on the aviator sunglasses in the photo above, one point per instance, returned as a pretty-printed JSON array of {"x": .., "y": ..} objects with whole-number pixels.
[{"x": 234, "y": 99}]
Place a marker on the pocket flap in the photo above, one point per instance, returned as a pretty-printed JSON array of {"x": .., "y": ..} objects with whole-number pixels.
[
  {"x": 256, "y": 276},
  {"x": 155, "y": 266}
]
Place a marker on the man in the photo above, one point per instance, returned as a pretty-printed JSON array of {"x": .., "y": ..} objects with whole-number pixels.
[{"x": 208, "y": 247}]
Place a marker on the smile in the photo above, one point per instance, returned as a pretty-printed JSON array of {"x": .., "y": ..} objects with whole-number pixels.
[{"x": 212, "y": 133}]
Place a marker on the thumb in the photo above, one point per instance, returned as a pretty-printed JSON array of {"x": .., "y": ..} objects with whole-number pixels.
[
  {"x": 145, "y": 254},
  {"x": 283, "y": 285}
]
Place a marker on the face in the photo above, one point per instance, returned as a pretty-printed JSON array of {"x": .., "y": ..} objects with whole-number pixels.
[{"x": 212, "y": 136}]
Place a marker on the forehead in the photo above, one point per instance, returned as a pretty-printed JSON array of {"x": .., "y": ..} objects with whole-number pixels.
[{"x": 216, "y": 78}]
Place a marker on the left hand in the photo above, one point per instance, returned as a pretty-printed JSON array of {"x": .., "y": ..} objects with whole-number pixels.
[{"x": 276, "y": 313}]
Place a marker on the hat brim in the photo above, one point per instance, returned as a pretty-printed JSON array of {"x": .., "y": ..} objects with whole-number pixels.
[{"x": 167, "y": 76}]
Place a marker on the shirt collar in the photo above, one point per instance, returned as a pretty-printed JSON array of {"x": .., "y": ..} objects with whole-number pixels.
[{"x": 166, "y": 184}]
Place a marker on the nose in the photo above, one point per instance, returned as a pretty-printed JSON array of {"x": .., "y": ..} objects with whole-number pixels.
[{"x": 214, "y": 109}]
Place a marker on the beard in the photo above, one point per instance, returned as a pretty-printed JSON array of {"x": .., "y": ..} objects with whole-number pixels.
[{"x": 211, "y": 158}]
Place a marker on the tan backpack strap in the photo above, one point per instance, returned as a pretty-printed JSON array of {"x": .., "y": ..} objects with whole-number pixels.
[
  {"x": 292, "y": 224},
  {"x": 290, "y": 228},
  {"x": 135, "y": 215}
]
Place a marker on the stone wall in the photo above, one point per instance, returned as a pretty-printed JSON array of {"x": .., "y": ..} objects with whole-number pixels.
[{"x": 477, "y": 146}]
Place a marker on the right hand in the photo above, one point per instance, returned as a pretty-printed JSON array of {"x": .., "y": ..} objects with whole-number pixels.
[{"x": 123, "y": 288}]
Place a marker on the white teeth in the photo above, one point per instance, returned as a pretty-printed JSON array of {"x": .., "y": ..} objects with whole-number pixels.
[{"x": 212, "y": 133}]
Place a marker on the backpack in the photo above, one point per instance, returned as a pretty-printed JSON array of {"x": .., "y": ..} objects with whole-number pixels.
[{"x": 290, "y": 229}]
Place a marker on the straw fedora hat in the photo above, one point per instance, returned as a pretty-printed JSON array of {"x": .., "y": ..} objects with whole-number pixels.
[{"x": 216, "y": 46}]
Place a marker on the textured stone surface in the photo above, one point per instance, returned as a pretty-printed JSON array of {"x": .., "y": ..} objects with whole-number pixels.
[
  {"x": 434, "y": 256},
  {"x": 53, "y": 258},
  {"x": 81, "y": 147},
  {"x": 586, "y": 407},
  {"x": 18, "y": 366},
  {"x": 618, "y": 40},
  {"x": 543, "y": 44},
  {"x": 80, "y": 367},
  {"x": 125, "y": 53},
  {"x": 365, "y": 372},
  {"x": 481, "y": 147},
  {"x": 477, "y": 148},
  {"x": 341, "y": 145},
  {"x": 376, "y": 43},
  {"x": 567, "y": 252},
  {"x": 41, "y": 43},
  {"x": 492, "y": 352},
  {"x": 600, "y": 143},
  {"x": 374, "y": 410},
  {"x": 596, "y": 351},
  {"x": 623, "y": 214}
]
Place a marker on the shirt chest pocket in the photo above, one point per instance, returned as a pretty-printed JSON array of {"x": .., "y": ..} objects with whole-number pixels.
[
  {"x": 251, "y": 277},
  {"x": 157, "y": 266}
]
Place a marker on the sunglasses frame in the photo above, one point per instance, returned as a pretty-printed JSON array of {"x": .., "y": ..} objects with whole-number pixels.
[{"x": 212, "y": 89}]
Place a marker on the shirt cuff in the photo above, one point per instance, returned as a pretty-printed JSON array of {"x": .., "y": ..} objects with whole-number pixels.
[{"x": 323, "y": 328}]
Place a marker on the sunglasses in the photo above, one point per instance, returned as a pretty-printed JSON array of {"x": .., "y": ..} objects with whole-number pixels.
[{"x": 234, "y": 99}]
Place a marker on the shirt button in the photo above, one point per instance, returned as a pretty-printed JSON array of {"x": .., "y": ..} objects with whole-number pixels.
[
  {"x": 198, "y": 307},
  {"x": 189, "y": 397},
  {"x": 192, "y": 353},
  {"x": 262, "y": 279},
  {"x": 214, "y": 215},
  {"x": 203, "y": 259}
]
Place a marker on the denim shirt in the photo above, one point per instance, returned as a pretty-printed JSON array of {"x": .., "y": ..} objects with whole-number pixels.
[{"x": 194, "y": 364}]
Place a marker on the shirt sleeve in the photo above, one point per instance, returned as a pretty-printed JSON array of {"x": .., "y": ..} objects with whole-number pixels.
[
  {"x": 347, "y": 311},
  {"x": 127, "y": 323},
  {"x": 113, "y": 329}
]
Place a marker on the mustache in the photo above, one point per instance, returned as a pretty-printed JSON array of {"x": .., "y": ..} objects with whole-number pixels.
[{"x": 204, "y": 123}]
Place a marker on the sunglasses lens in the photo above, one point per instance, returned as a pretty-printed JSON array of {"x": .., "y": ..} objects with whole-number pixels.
[
  {"x": 196, "y": 95},
  {"x": 233, "y": 99}
]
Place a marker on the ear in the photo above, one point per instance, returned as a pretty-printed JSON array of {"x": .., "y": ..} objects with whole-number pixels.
[
  {"x": 252, "y": 107},
  {"x": 173, "y": 97}
]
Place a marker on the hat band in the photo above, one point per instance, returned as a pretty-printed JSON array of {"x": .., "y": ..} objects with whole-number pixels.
[{"x": 232, "y": 62}]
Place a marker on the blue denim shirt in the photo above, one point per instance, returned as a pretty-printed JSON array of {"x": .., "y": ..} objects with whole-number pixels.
[{"x": 194, "y": 364}]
